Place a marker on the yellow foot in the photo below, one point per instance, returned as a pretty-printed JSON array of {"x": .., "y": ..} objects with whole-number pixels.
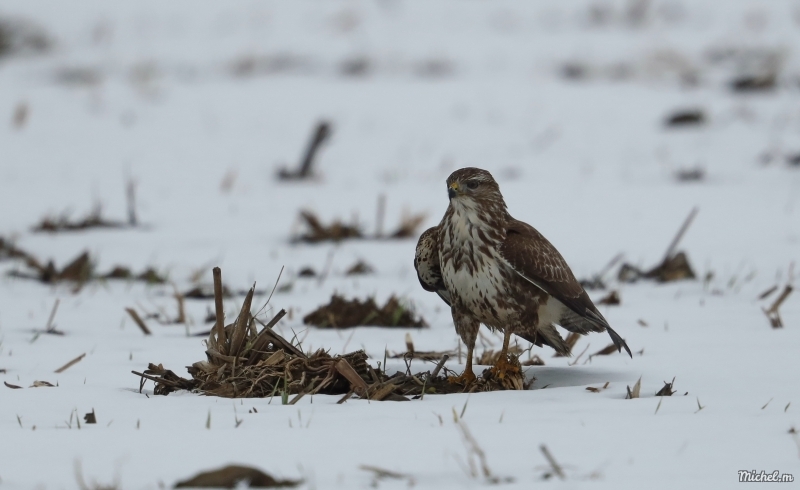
[
  {"x": 502, "y": 368},
  {"x": 466, "y": 378}
]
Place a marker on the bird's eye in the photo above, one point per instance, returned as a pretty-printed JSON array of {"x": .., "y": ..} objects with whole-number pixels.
[{"x": 473, "y": 184}]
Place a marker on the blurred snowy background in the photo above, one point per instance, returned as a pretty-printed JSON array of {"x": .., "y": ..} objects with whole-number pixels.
[{"x": 605, "y": 123}]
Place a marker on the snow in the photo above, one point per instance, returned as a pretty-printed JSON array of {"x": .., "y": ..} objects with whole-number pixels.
[{"x": 587, "y": 162}]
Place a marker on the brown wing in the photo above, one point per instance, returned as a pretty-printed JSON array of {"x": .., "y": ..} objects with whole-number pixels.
[
  {"x": 426, "y": 263},
  {"x": 538, "y": 261}
]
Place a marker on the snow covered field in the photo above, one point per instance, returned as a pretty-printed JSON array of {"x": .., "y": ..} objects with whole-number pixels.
[{"x": 200, "y": 103}]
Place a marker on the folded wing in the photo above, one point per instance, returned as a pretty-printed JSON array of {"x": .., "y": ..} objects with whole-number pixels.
[
  {"x": 426, "y": 263},
  {"x": 536, "y": 260}
]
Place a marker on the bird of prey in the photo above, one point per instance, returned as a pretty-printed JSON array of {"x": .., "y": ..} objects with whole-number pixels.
[{"x": 493, "y": 269}]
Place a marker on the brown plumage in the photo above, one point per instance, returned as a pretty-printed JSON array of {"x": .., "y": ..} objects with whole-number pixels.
[{"x": 493, "y": 269}]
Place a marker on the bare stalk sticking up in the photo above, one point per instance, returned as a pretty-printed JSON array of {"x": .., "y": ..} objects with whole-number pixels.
[
  {"x": 321, "y": 133},
  {"x": 678, "y": 236},
  {"x": 220, "y": 324},
  {"x": 772, "y": 312}
]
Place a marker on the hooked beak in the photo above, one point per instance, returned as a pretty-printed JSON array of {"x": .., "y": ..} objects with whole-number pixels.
[{"x": 452, "y": 190}]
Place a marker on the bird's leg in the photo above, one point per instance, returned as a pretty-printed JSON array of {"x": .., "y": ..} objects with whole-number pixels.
[
  {"x": 468, "y": 376},
  {"x": 467, "y": 329},
  {"x": 502, "y": 366}
]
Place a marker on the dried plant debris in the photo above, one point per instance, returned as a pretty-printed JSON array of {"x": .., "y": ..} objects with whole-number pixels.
[
  {"x": 335, "y": 232},
  {"x": 206, "y": 291},
  {"x": 138, "y": 321},
  {"x": 674, "y": 267},
  {"x": 40, "y": 384},
  {"x": 477, "y": 464},
  {"x": 322, "y": 132},
  {"x": 605, "y": 351},
  {"x": 20, "y": 37},
  {"x": 149, "y": 275},
  {"x": 235, "y": 476},
  {"x": 90, "y": 418},
  {"x": 92, "y": 484},
  {"x": 20, "y": 115},
  {"x": 611, "y": 299},
  {"x": 307, "y": 272},
  {"x": 490, "y": 357},
  {"x": 358, "y": 66},
  {"x": 575, "y": 71},
  {"x": 434, "y": 68},
  {"x": 80, "y": 270},
  {"x": 253, "y": 65},
  {"x": 379, "y": 474},
  {"x": 598, "y": 390},
  {"x": 768, "y": 292},
  {"x": 342, "y": 313},
  {"x": 772, "y": 312},
  {"x": 757, "y": 69},
  {"x": 70, "y": 363},
  {"x": 8, "y": 250},
  {"x": 597, "y": 281},
  {"x": 557, "y": 469},
  {"x": 635, "y": 391},
  {"x": 534, "y": 361},
  {"x": 360, "y": 268},
  {"x": 690, "y": 174},
  {"x": 409, "y": 223},
  {"x": 667, "y": 390},
  {"x": 424, "y": 355},
  {"x": 685, "y": 117},
  {"x": 244, "y": 362},
  {"x": 760, "y": 82},
  {"x": 79, "y": 76},
  {"x": 95, "y": 219}
]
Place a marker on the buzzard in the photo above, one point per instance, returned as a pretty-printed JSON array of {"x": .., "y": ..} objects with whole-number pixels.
[{"x": 493, "y": 269}]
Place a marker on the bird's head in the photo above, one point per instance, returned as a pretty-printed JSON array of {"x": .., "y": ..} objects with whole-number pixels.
[{"x": 473, "y": 186}]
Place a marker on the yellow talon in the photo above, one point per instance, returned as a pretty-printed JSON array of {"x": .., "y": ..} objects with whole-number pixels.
[
  {"x": 466, "y": 378},
  {"x": 502, "y": 367}
]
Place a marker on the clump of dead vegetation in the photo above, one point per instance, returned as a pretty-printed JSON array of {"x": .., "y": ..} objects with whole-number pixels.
[
  {"x": 318, "y": 232},
  {"x": 21, "y": 37},
  {"x": 685, "y": 118},
  {"x": 304, "y": 171},
  {"x": 343, "y": 313},
  {"x": 251, "y": 65},
  {"x": 338, "y": 230},
  {"x": 598, "y": 281},
  {"x": 673, "y": 267},
  {"x": 772, "y": 312},
  {"x": 80, "y": 270},
  {"x": 150, "y": 275},
  {"x": 9, "y": 250},
  {"x": 242, "y": 361},
  {"x": 688, "y": 174},
  {"x": 611, "y": 299},
  {"x": 94, "y": 219},
  {"x": 234, "y": 476},
  {"x": 206, "y": 291},
  {"x": 360, "y": 268},
  {"x": 756, "y": 70}
]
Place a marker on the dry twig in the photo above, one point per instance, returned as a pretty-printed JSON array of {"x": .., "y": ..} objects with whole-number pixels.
[
  {"x": 772, "y": 312},
  {"x": 70, "y": 363}
]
